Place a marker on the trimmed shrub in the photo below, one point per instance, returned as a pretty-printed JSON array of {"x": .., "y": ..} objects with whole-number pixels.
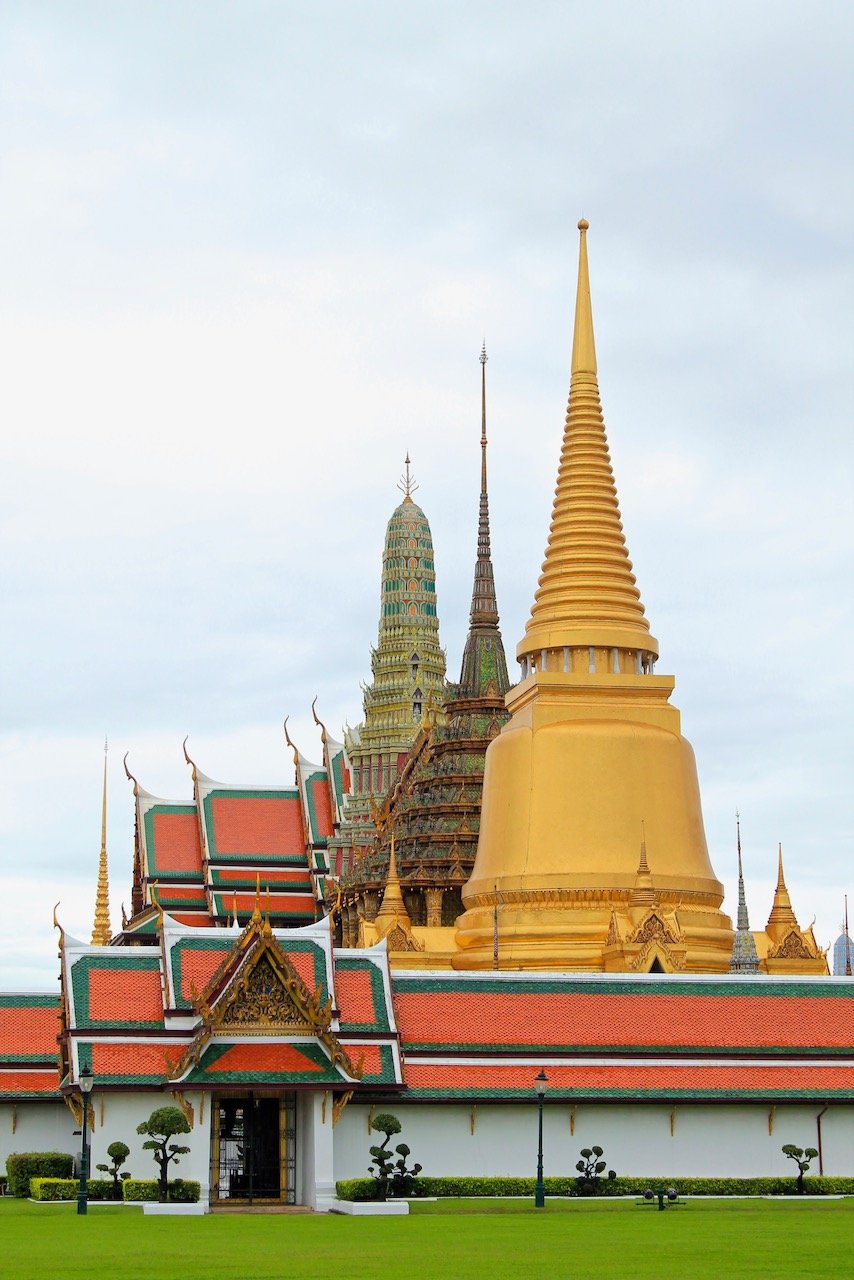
[
  {"x": 54, "y": 1188},
  {"x": 181, "y": 1190},
  {"x": 22, "y": 1166},
  {"x": 68, "y": 1188},
  {"x": 364, "y": 1188}
]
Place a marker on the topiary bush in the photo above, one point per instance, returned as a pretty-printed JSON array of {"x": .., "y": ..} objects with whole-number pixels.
[
  {"x": 391, "y": 1176},
  {"x": 22, "y": 1166},
  {"x": 118, "y": 1153},
  {"x": 802, "y": 1158},
  {"x": 161, "y": 1125},
  {"x": 590, "y": 1169}
]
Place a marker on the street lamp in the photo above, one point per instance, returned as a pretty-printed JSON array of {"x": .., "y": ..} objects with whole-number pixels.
[
  {"x": 541, "y": 1083},
  {"x": 86, "y": 1082}
]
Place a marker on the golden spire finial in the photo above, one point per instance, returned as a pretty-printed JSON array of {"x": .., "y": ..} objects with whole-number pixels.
[
  {"x": 392, "y": 906},
  {"x": 583, "y": 344},
  {"x": 643, "y": 891},
  {"x": 406, "y": 484},
  {"x": 101, "y": 932},
  {"x": 782, "y": 915},
  {"x": 586, "y": 597},
  {"x": 256, "y": 912}
]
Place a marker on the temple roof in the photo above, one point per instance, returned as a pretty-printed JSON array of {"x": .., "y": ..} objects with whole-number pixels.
[
  {"x": 590, "y": 1013},
  {"x": 29, "y": 1030}
]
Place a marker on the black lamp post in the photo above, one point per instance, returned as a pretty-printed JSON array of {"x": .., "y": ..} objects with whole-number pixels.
[
  {"x": 86, "y": 1082},
  {"x": 541, "y": 1083}
]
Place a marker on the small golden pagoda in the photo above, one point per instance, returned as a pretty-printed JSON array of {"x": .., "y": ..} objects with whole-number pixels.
[
  {"x": 784, "y": 947},
  {"x": 592, "y": 853}
]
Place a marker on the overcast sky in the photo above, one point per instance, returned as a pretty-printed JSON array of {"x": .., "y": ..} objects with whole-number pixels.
[{"x": 248, "y": 254}]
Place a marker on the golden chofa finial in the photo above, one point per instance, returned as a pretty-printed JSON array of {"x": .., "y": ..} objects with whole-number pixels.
[{"x": 406, "y": 484}]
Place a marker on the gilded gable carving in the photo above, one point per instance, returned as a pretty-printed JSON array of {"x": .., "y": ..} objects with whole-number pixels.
[{"x": 262, "y": 999}]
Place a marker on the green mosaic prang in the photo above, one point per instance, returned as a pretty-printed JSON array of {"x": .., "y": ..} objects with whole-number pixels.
[
  {"x": 151, "y": 846},
  {"x": 109, "y": 963},
  {"x": 381, "y": 1022}
]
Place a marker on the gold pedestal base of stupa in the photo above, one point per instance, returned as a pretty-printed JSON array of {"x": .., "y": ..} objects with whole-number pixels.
[{"x": 592, "y": 853}]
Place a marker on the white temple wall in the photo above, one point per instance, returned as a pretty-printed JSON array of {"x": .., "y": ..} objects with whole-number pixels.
[
  {"x": 706, "y": 1140},
  {"x": 116, "y": 1118},
  {"x": 38, "y": 1126},
  {"x": 315, "y": 1165}
]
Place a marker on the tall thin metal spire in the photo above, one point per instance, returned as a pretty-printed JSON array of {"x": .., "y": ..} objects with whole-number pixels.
[
  {"x": 101, "y": 933},
  {"x": 484, "y": 661},
  {"x": 744, "y": 956},
  {"x": 406, "y": 484}
]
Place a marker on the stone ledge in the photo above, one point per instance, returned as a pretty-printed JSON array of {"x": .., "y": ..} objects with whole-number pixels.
[
  {"x": 174, "y": 1210},
  {"x": 370, "y": 1208}
]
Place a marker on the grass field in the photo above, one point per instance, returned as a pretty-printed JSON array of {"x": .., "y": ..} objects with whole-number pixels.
[{"x": 463, "y": 1240}]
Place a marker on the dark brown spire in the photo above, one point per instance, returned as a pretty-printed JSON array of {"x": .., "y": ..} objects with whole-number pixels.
[{"x": 484, "y": 661}]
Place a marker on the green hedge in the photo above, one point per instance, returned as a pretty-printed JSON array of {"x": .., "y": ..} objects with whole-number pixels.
[
  {"x": 67, "y": 1189},
  {"x": 181, "y": 1190},
  {"x": 21, "y": 1166},
  {"x": 365, "y": 1188},
  {"x": 53, "y": 1188}
]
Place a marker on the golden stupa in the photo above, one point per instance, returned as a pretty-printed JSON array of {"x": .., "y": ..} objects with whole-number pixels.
[{"x": 592, "y": 853}]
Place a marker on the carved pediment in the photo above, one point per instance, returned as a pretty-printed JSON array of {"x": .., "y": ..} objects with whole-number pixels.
[
  {"x": 400, "y": 939},
  {"x": 266, "y": 998},
  {"x": 653, "y": 927},
  {"x": 793, "y": 947}
]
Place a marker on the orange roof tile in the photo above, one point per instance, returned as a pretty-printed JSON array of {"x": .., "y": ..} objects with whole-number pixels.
[
  {"x": 322, "y": 805},
  {"x": 283, "y": 1058},
  {"x": 354, "y": 991},
  {"x": 124, "y": 995},
  {"x": 132, "y": 1058},
  {"x": 571, "y": 1017},
  {"x": 29, "y": 1031},
  {"x": 624, "y": 1078},
  {"x": 198, "y": 967},
  {"x": 223, "y": 876},
  {"x": 28, "y": 1082},
  {"x": 176, "y": 842},
  {"x": 262, "y": 825}
]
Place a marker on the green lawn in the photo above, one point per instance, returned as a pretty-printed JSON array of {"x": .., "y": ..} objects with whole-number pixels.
[{"x": 463, "y": 1240}]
